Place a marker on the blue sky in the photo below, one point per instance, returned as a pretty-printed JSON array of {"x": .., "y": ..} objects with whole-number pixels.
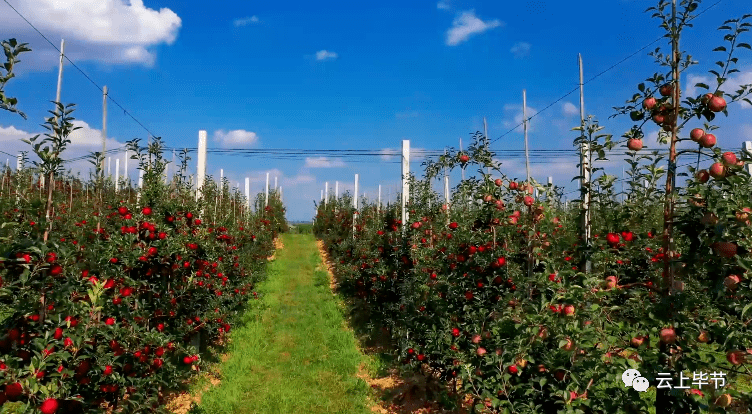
[{"x": 347, "y": 75}]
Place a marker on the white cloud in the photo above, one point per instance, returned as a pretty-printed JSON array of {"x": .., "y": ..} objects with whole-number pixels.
[
  {"x": 116, "y": 31},
  {"x": 325, "y": 55},
  {"x": 744, "y": 77},
  {"x": 569, "y": 109},
  {"x": 235, "y": 137},
  {"x": 443, "y": 5},
  {"x": 245, "y": 21},
  {"x": 466, "y": 25},
  {"x": 84, "y": 141},
  {"x": 520, "y": 49},
  {"x": 323, "y": 162}
]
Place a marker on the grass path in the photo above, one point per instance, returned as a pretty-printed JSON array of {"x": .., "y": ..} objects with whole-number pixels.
[{"x": 291, "y": 353}]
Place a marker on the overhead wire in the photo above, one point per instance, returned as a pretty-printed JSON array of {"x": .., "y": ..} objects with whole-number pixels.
[{"x": 80, "y": 70}]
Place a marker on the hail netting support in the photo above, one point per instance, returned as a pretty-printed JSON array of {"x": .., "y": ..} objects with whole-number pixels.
[
  {"x": 584, "y": 171},
  {"x": 266, "y": 197},
  {"x": 326, "y": 193},
  {"x": 248, "y": 192},
  {"x": 140, "y": 185},
  {"x": 201, "y": 167},
  {"x": 117, "y": 175},
  {"x": 405, "y": 181},
  {"x": 355, "y": 204}
]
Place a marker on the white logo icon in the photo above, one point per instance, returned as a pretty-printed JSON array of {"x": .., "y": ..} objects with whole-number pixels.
[
  {"x": 640, "y": 384},
  {"x": 629, "y": 375},
  {"x": 633, "y": 378}
]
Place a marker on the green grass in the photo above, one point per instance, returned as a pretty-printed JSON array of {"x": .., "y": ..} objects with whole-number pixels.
[{"x": 292, "y": 352}]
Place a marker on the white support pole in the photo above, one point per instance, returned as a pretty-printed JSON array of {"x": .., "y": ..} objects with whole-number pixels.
[
  {"x": 109, "y": 167},
  {"x": 19, "y": 163},
  {"x": 322, "y": 195},
  {"x": 117, "y": 175},
  {"x": 485, "y": 132},
  {"x": 405, "y": 182},
  {"x": 275, "y": 183},
  {"x": 247, "y": 191},
  {"x": 378, "y": 206},
  {"x": 584, "y": 169},
  {"x": 266, "y": 199},
  {"x": 221, "y": 182},
  {"x": 280, "y": 194},
  {"x": 336, "y": 190},
  {"x": 326, "y": 193},
  {"x": 104, "y": 126},
  {"x": 125, "y": 169},
  {"x": 446, "y": 184},
  {"x": 60, "y": 70},
  {"x": 355, "y": 204},
  {"x": 140, "y": 185},
  {"x": 524, "y": 126},
  {"x": 201, "y": 168}
]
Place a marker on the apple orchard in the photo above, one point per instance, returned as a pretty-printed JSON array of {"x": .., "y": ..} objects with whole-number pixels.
[{"x": 501, "y": 296}]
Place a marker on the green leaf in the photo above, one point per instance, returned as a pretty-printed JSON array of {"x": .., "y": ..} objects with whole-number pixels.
[
  {"x": 746, "y": 308},
  {"x": 744, "y": 45},
  {"x": 719, "y": 49},
  {"x": 701, "y": 85}
]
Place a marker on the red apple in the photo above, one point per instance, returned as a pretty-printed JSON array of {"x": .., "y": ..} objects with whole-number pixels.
[
  {"x": 707, "y": 140},
  {"x": 464, "y": 158},
  {"x": 696, "y": 134},
  {"x": 569, "y": 346},
  {"x": 569, "y": 310},
  {"x": 729, "y": 158},
  {"x": 498, "y": 182},
  {"x": 634, "y": 144},
  {"x": 528, "y": 201},
  {"x": 724, "y": 400},
  {"x": 542, "y": 333},
  {"x": 49, "y": 406},
  {"x": 725, "y": 249},
  {"x": 611, "y": 282},
  {"x": 13, "y": 390},
  {"x": 717, "y": 104},
  {"x": 513, "y": 369},
  {"x": 612, "y": 239},
  {"x": 731, "y": 282},
  {"x": 649, "y": 103},
  {"x": 659, "y": 118},
  {"x": 668, "y": 335},
  {"x": 637, "y": 341},
  {"x": 667, "y": 89},
  {"x": 481, "y": 351},
  {"x": 717, "y": 171},
  {"x": 703, "y": 337},
  {"x": 702, "y": 176},
  {"x": 734, "y": 357},
  {"x": 512, "y": 185}
]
